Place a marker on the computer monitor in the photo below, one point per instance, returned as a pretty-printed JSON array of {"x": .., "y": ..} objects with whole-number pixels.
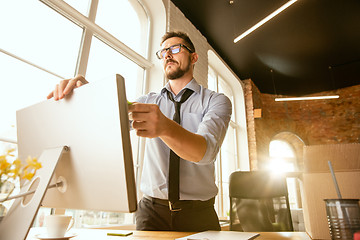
[{"x": 98, "y": 169}]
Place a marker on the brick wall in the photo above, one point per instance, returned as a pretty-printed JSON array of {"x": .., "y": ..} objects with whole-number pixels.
[
  {"x": 314, "y": 122},
  {"x": 250, "y": 123}
]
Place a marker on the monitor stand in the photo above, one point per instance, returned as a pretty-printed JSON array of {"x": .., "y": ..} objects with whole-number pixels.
[{"x": 21, "y": 215}]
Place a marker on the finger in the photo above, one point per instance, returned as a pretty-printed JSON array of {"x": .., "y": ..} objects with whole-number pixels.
[
  {"x": 59, "y": 89},
  {"x": 82, "y": 80},
  {"x": 141, "y": 107},
  {"x": 140, "y": 125},
  {"x": 141, "y": 116},
  {"x": 76, "y": 82},
  {"x": 145, "y": 133},
  {"x": 79, "y": 83},
  {"x": 68, "y": 86},
  {"x": 50, "y": 95},
  {"x": 144, "y": 129},
  {"x": 130, "y": 116},
  {"x": 141, "y": 133},
  {"x": 56, "y": 93},
  {"x": 130, "y": 107}
]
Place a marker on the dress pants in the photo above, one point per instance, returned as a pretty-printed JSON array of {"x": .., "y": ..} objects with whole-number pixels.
[{"x": 152, "y": 216}]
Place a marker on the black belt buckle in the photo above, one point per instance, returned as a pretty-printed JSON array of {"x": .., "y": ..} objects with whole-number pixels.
[{"x": 172, "y": 208}]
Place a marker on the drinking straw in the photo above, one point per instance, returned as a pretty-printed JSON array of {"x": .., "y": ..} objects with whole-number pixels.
[{"x": 334, "y": 179}]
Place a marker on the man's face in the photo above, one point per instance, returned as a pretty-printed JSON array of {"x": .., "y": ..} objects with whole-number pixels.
[{"x": 176, "y": 65}]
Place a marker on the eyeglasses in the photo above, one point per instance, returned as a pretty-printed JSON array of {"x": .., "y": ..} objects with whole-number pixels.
[{"x": 174, "y": 49}]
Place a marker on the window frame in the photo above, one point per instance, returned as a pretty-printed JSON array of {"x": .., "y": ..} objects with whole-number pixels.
[
  {"x": 90, "y": 29},
  {"x": 222, "y": 198},
  {"x": 238, "y": 122}
]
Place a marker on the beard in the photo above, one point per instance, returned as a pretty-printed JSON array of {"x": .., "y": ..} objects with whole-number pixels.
[{"x": 178, "y": 72}]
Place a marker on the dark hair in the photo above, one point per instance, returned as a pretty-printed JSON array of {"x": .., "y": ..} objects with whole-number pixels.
[{"x": 181, "y": 35}]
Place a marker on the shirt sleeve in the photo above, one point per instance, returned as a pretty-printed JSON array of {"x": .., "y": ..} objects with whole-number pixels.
[{"x": 214, "y": 125}]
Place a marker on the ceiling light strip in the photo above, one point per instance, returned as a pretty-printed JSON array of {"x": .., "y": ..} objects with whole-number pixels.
[
  {"x": 306, "y": 98},
  {"x": 282, "y": 8}
]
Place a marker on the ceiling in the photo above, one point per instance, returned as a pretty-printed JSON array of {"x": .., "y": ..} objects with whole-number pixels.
[{"x": 310, "y": 47}]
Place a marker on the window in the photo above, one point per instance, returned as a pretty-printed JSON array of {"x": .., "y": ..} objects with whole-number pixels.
[
  {"x": 95, "y": 38},
  {"x": 234, "y": 153},
  {"x": 226, "y": 161},
  {"x": 125, "y": 25},
  {"x": 283, "y": 159},
  {"x": 282, "y": 156}
]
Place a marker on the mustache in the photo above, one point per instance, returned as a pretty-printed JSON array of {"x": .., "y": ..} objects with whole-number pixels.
[{"x": 170, "y": 60}]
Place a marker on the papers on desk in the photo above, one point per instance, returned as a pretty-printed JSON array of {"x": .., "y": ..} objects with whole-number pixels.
[{"x": 221, "y": 235}]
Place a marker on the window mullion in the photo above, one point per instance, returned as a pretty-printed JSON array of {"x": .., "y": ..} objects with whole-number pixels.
[
  {"x": 84, "y": 51},
  {"x": 7, "y": 140},
  {"x": 220, "y": 185},
  {"x": 69, "y": 12},
  {"x": 29, "y": 63}
]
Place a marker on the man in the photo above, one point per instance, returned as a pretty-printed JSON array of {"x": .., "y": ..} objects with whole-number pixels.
[{"x": 204, "y": 118}]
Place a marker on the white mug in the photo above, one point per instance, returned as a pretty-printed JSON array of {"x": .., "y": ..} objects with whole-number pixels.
[{"x": 58, "y": 225}]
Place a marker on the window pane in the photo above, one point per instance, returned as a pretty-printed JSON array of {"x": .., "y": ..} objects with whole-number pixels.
[
  {"x": 228, "y": 160},
  {"x": 281, "y": 149},
  {"x": 282, "y": 156},
  {"x": 228, "y": 155},
  {"x": 120, "y": 19},
  {"x": 105, "y": 62},
  {"x": 20, "y": 91},
  {"x": 40, "y": 36},
  {"x": 226, "y": 89},
  {"x": 283, "y": 159}
]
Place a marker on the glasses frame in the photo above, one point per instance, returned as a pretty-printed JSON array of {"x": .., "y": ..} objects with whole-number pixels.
[{"x": 171, "y": 50}]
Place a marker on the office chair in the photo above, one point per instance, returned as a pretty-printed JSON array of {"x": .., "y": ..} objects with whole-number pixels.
[{"x": 259, "y": 202}]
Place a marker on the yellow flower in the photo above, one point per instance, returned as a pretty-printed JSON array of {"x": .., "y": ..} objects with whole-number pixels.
[
  {"x": 30, "y": 169},
  {"x": 17, "y": 164},
  {"x": 33, "y": 163},
  {"x": 11, "y": 169},
  {"x": 28, "y": 175},
  {"x": 16, "y": 169},
  {"x": 9, "y": 152},
  {"x": 4, "y": 164}
]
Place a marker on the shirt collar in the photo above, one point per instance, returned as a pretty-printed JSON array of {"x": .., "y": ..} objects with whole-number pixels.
[{"x": 193, "y": 85}]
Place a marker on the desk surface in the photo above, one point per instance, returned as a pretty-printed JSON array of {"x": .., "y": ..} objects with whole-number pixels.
[{"x": 101, "y": 234}]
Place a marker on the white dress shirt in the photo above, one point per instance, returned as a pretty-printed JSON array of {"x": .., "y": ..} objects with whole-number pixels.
[{"x": 206, "y": 113}]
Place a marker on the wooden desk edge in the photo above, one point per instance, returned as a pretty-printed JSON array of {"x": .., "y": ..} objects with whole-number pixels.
[{"x": 167, "y": 235}]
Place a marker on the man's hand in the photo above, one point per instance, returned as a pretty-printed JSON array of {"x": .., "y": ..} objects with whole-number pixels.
[
  {"x": 148, "y": 120},
  {"x": 66, "y": 86}
]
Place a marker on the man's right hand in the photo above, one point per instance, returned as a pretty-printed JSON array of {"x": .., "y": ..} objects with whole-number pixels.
[{"x": 66, "y": 86}]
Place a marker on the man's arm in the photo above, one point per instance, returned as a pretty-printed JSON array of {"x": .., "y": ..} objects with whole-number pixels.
[
  {"x": 66, "y": 86},
  {"x": 148, "y": 121},
  {"x": 187, "y": 145}
]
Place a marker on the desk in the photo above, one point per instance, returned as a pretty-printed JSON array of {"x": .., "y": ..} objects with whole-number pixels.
[{"x": 100, "y": 234}]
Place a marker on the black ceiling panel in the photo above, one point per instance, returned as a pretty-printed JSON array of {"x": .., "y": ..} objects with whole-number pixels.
[{"x": 312, "y": 46}]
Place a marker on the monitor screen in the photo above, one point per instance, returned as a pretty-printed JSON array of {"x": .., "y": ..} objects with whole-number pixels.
[{"x": 93, "y": 122}]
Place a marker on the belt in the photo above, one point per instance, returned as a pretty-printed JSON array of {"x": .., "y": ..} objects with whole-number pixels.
[{"x": 181, "y": 204}]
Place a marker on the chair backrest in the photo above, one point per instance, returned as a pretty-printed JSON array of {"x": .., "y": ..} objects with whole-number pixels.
[{"x": 259, "y": 202}]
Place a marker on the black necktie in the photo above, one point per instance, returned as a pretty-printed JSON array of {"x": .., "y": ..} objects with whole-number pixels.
[{"x": 174, "y": 162}]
